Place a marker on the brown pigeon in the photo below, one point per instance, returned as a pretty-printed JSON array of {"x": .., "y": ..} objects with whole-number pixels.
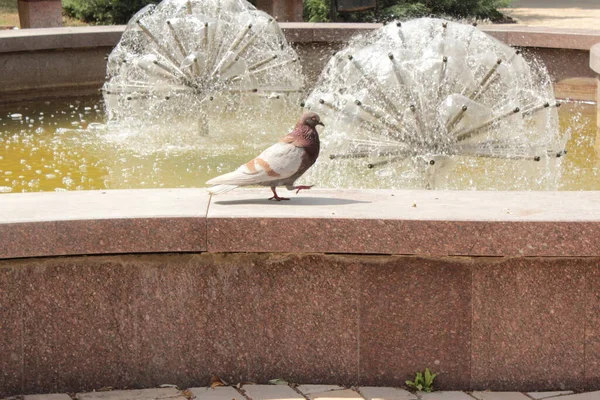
[{"x": 280, "y": 164}]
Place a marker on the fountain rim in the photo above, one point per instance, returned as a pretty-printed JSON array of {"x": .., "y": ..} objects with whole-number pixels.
[
  {"x": 297, "y": 32},
  {"x": 50, "y": 51},
  {"x": 347, "y": 221}
]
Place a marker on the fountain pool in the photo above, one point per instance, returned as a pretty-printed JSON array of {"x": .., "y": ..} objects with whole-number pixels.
[{"x": 63, "y": 145}]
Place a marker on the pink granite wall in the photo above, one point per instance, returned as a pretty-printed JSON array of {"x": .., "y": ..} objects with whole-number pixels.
[{"x": 80, "y": 323}]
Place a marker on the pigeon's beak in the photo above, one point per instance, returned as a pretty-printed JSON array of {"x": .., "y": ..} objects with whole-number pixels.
[{"x": 320, "y": 123}]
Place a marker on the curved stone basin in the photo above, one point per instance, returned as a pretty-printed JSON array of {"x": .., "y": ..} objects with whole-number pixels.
[{"x": 492, "y": 290}]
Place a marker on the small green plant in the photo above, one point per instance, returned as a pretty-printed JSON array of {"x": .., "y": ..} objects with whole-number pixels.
[{"x": 423, "y": 381}]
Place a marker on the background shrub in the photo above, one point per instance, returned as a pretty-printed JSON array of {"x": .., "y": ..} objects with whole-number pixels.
[
  {"x": 107, "y": 12},
  {"x": 318, "y": 10},
  {"x": 104, "y": 12}
]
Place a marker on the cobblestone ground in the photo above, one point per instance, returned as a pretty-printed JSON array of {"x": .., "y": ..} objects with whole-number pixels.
[{"x": 303, "y": 392}]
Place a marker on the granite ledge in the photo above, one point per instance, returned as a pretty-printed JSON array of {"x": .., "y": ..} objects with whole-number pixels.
[
  {"x": 595, "y": 58},
  {"x": 102, "y": 222},
  {"x": 17, "y": 40},
  {"x": 410, "y": 222},
  {"x": 428, "y": 223}
]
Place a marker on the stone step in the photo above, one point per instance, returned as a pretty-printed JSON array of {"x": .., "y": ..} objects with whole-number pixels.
[
  {"x": 53, "y": 396},
  {"x": 385, "y": 393},
  {"x": 449, "y": 395},
  {"x": 218, "y": 393},
  {"x": 271, "y": 392},
  {"x": 310, "y": 392},
  {"x": 310, "y": 389},
  {"x": 343, "y": 394},
  {"x": 546, "y": 395},
  {"x": 582, "y": 396},
  {"x": 499, "y": 396},
  {"x": 140, "y": 394}
]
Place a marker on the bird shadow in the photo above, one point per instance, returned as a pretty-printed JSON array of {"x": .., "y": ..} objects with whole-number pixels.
[{"x": 294, "y": 201}]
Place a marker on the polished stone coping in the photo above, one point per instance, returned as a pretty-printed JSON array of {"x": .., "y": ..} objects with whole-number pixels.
[
  {"x": 297, "y": 32},
  {"x": 17, "y": 40},
  {"x": 102, "y": 222},
  {"x": 102, "y": 204},
  {"x": 544, "y": 37},
  {"x": 428, "y": 223},
  {"x": 595, "y": 58}
]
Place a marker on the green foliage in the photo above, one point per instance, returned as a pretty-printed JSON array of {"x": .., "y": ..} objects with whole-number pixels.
[
  {"x": 316, "y": 10},
  {"x": 423, "y": 381},
  {"x": 8, "y": 5},
  {"x": 104, "y": 12},
  {"x": 468, "y": 8}
]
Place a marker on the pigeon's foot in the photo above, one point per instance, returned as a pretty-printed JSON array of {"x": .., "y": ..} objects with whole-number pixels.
[
  {"x": 276, "y": 197},
  {"x": 299, "y": 188}
]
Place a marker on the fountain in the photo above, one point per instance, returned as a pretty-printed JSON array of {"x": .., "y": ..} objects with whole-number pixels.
[
  {"x": 133, "y": 286},
  {"x": 451, "y": 124},
  {"x": 425, "y": 101},
  {"x": 183, "y": 61}
]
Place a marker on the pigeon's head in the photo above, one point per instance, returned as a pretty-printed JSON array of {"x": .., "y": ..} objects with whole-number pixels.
[{"x": 310, "y": 119}]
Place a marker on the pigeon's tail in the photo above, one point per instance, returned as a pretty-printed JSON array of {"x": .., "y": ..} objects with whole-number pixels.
[{"x": 218, "y": 189}]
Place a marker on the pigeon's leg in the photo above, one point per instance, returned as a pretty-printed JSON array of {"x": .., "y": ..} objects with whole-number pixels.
[
  {"x": 275, "y": 197},
  {"x": 299, "y": 188}
]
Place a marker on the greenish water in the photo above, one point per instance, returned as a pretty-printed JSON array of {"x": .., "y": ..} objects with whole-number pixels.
[
  {"x": 63, "y": 145},
  {"x": 581, "y": 167}
]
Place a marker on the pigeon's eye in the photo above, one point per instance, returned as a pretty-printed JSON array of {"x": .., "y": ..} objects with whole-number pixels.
[{"x": 314, "y": 118}]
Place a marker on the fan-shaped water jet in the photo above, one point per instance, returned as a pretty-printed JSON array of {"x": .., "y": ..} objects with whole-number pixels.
[{"x": 435, "y": 90}]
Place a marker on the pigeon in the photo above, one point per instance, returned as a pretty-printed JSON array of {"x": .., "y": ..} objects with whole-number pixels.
[{"x": 280, "y": 164}]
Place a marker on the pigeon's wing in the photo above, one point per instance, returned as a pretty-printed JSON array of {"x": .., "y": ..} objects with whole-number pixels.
[{"x": 279, "y": 161}]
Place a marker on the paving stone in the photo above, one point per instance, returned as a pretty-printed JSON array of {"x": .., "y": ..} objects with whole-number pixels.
[
  {"x": 53, "y": 396},
  {"x": 310, "y": 389},
  {"x": 142, "y": 394},
  {"x": 218, "y": 393},
  {"x": 385, "y": 393},
  {"x": 450, "y": 395},
  {"x": 336, "y": 395},
  {"x": 582, "y": 396},
  {"x": 499, "y": 396},
  {"x": 546, "y": 395},
  {"x": 271, "y": 392}
]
